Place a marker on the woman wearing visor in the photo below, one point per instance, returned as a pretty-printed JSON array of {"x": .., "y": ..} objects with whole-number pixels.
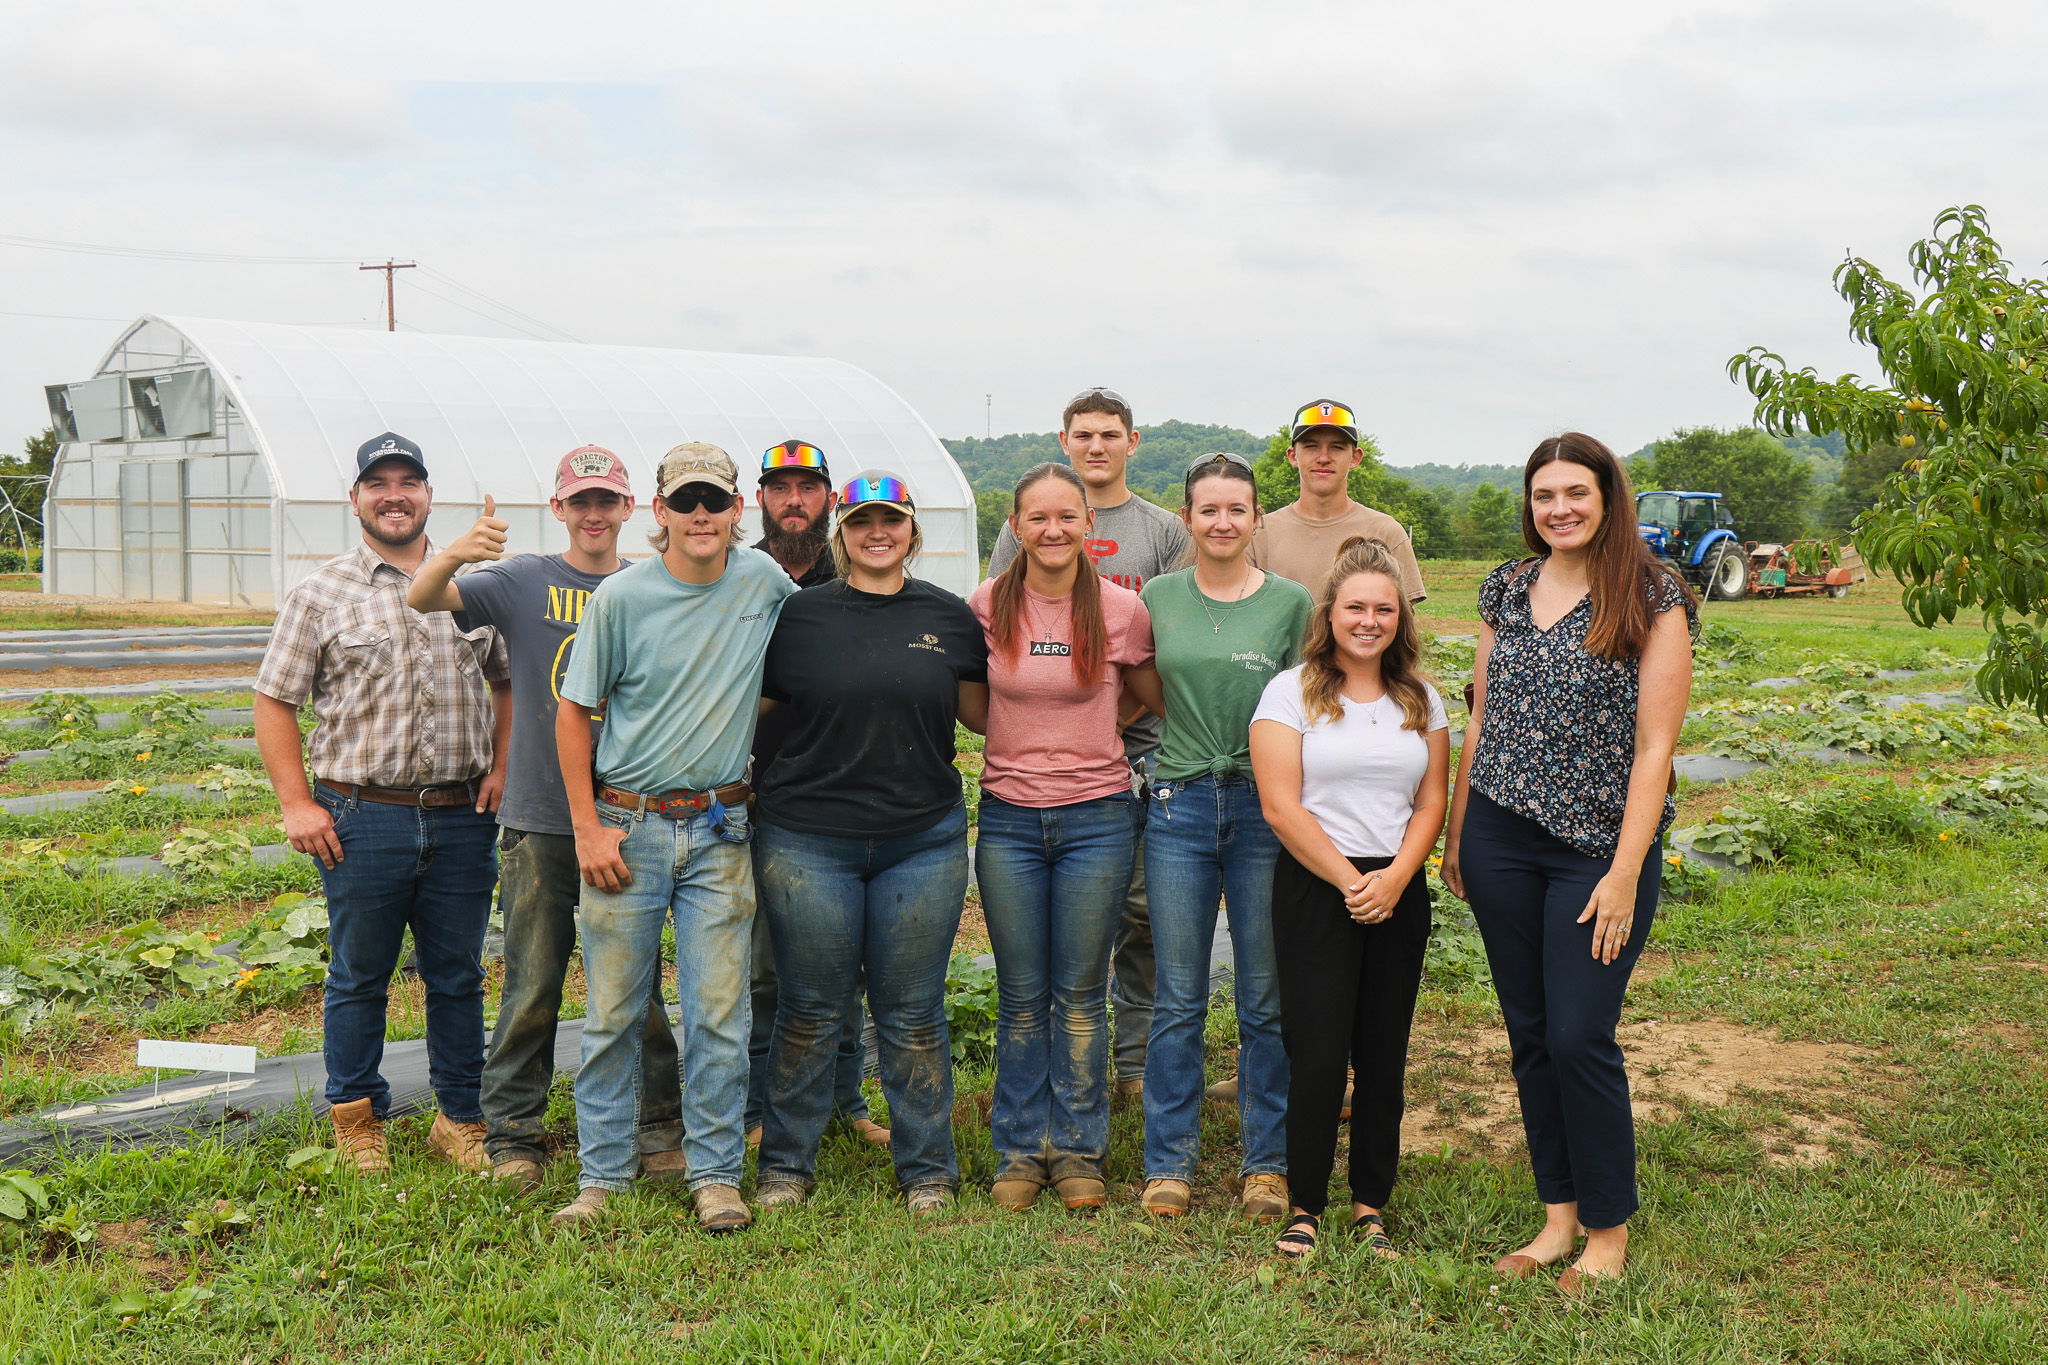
[{"x": 861, "y": 840}]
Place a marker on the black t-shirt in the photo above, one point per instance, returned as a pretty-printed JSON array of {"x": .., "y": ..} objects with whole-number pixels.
[
  {"x": 774, "y": 727},
  {"x": 872, "y": 687}
]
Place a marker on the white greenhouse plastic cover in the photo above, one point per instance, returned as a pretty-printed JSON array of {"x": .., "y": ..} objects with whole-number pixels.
[{"x": 494, "y": 416}]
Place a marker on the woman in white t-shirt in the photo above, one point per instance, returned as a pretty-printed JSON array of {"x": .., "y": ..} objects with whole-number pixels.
[{"x": 1351, "y": 752}]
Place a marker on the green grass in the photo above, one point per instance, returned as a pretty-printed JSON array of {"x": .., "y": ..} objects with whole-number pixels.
[{"x": 1922, "y": 1236}]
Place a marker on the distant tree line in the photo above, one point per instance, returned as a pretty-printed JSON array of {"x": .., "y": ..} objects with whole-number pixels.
[{"x": 1778, "y": 488}]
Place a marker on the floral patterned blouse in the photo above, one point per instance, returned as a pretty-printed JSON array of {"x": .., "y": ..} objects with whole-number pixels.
[{"x": 1557, "y": 741}]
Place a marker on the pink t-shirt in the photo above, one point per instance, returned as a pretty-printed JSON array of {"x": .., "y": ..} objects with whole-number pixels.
[{"x": 1051, "y": 740}]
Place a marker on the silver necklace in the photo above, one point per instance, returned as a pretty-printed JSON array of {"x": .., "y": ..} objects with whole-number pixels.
[{"x": 1215, "y": 622}]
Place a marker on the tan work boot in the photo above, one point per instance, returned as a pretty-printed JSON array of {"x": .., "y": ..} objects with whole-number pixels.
[
  {"x": 1223, "y": 1092},
  {"x": 1079, "y": 1183},
  {"x": 359, "y": 1136},
  {"x": 461, "y": 1143},
  {"x": 665, "y": 1168},
  {"x": 1265, "y": 1198},
  {"x": 1016, "y": 1188},
  {"x": 518, "y": 1173},
  {"x": 1165, "y": 1198},
  {"x": 586, "y": 1207},
  {"x": 720, "y": 1209}
]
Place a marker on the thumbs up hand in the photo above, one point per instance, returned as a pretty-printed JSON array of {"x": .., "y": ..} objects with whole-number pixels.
[{"x": 485, "y": 540}]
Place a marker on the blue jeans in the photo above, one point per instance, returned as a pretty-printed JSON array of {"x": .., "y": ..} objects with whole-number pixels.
[
  {"x": 837, "y": 907},
  {"x": 848, "y": 1067},
  {"x": 705, "y": 877},
  {"x": 539, "y": 883},
  {"x": 431, "y": 870},
  {"x": 1053, "y": 883},
  {"x": 1203, "y": 839}
]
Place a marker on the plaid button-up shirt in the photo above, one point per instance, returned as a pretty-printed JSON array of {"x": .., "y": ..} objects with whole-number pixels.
[{"x": 402, "y": 697}]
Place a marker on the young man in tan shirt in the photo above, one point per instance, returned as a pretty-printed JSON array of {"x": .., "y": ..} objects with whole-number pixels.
[{"x": 1300, "y": 541}]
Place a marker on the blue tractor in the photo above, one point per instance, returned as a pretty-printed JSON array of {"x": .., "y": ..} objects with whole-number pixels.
[{"x": 1690, "y": 532}]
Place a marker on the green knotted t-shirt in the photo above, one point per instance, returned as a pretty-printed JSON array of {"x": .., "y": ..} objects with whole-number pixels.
[{"x": 1214, "y": 659}]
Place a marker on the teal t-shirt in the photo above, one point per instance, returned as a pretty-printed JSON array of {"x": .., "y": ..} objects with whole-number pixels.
[
  {"x": 677, "y": 668},
  {"x": 1214, "y": 661}
]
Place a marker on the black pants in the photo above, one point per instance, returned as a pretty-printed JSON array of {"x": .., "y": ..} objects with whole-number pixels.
[
  {"x": 1347, "y": 995},
  {"x": 1528, "y": 889}
]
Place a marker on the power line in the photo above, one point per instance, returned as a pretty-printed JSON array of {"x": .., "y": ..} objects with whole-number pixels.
[
  {"x": 245, "y": 258},
  {"x": 160, "y": 254}
]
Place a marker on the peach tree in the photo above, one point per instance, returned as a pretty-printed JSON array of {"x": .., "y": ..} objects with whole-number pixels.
[{"x": 1963, "y": 524}]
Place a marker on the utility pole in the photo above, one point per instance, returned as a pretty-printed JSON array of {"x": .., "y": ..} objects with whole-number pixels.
[
  {"x": 988, "y": 416},
  {"x": 390, "y": 299}
]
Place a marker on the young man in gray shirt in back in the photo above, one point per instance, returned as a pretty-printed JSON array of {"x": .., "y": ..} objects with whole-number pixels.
[{"x": 1134, "y": 542}]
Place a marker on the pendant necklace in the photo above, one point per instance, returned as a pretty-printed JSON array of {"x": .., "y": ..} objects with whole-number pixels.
[{"x": 1216, "y": 623}]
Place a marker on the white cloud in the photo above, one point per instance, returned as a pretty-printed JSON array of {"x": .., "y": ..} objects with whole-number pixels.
[
  {"x": 553, "y": 129},
  {"x": 139, "y": 74}
]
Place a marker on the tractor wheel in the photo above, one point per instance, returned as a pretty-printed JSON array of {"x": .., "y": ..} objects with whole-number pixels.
[
  {"x": 1728, "y": 575},
  {"x": 1838, "y": 589}
]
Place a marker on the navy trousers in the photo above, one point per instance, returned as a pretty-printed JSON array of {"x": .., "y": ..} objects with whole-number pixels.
[{"x": 1527, "y": 890}]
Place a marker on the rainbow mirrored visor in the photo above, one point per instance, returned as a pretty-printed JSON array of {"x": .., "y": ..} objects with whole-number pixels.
[
  {"x": 794, "y": 455},
  {"x": 1325, "y": 415},
  {"x": 869, "y": 489}
]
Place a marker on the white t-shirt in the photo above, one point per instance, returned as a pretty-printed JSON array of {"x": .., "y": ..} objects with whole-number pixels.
[{"x": 1359, "y": 775}]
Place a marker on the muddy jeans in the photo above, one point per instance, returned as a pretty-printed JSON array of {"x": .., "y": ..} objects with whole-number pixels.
[
  {"x": 538, "y": 885},
  {"x": 838, "y": 907},
  {"x": 1053, "y": 883},
  {"x": 705, "y": 877},
  {"x": 1133, "y": 970}
]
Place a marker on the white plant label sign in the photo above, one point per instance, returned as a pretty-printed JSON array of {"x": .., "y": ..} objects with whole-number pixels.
[{"x": 162, "y": 1052}]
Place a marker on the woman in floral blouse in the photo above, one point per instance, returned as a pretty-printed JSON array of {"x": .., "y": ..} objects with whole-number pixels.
[{"x": 1564, "y": 789}]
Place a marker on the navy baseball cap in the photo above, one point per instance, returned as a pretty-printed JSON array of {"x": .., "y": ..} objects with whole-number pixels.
[{"x": 389, "y": 446}]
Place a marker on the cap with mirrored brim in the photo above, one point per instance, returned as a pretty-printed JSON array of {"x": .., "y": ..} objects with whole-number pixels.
[
  {"x": 795, "y": 454},
  {"x": 1324, "y": 412},
  {"x": 875, "y": 488},
  {"x": 389, "y": 446},
  {"x": 696, "y": 462}
]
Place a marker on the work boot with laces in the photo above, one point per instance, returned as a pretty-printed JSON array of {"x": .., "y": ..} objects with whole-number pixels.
[
  {"x": 1265, "y": 1197},
  {"x": 461, "y": 1143},
  {"x": 359, "y": 1137}
]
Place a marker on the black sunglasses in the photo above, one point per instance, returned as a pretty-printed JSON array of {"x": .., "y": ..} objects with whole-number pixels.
[{"x": 691, "y": 496}]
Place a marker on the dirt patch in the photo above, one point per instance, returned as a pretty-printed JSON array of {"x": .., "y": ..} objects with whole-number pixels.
[
  {"x": 98, "y": 610},
  {"x": 61, "y": 679},
  {"x": 973, "y": 936},
  {"x": 66, "y": 784},
  {"x": 135, "y": 1245},
  {"x": 1462, "y": 1091}
]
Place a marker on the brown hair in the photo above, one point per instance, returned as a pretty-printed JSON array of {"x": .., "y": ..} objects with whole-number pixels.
[
  {"x": 1097, "y": 400},
  {"x": 841, "y": 560},
  {"x": 1214, "y": 466},
  {"x": 1322, "y": 680},
  {"x": 1621, "y": 571},
  {"x": 1006, "y": 604}
]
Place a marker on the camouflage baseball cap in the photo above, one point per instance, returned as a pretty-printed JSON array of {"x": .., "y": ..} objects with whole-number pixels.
[{"x": 697, "y": 462}]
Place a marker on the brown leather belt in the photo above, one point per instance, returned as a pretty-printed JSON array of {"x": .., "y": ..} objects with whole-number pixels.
[
  {"x": 675, "y": 804},
  {"x": 451, "y": 794}
]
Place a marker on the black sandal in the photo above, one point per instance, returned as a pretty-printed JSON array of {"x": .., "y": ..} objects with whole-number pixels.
[
  {"x": 1381, "y": 1244},
  {"x": 1298, "y": 1239}
]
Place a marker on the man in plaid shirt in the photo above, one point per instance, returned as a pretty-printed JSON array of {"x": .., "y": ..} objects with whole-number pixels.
[{"x": 408, "y": 749}]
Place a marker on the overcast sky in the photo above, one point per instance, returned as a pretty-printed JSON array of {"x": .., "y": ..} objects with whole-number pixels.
[{"x": 1479, "y": 222}]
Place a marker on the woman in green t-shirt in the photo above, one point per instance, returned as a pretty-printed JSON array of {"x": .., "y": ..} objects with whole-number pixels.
[{"x": 1222, "y": 629}]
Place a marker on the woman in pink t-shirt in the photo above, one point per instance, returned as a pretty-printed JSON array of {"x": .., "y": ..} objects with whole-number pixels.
[{"x": 1057, "y": 834}]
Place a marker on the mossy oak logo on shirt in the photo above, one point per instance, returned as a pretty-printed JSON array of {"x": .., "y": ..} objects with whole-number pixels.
[{"x": 930, "y": 642}]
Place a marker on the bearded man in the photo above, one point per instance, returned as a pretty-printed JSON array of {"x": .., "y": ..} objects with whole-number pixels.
[{"x": 412, "y": 721}]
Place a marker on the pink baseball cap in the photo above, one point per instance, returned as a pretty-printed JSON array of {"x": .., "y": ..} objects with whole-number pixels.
[{"x": 591, "y": 467}]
